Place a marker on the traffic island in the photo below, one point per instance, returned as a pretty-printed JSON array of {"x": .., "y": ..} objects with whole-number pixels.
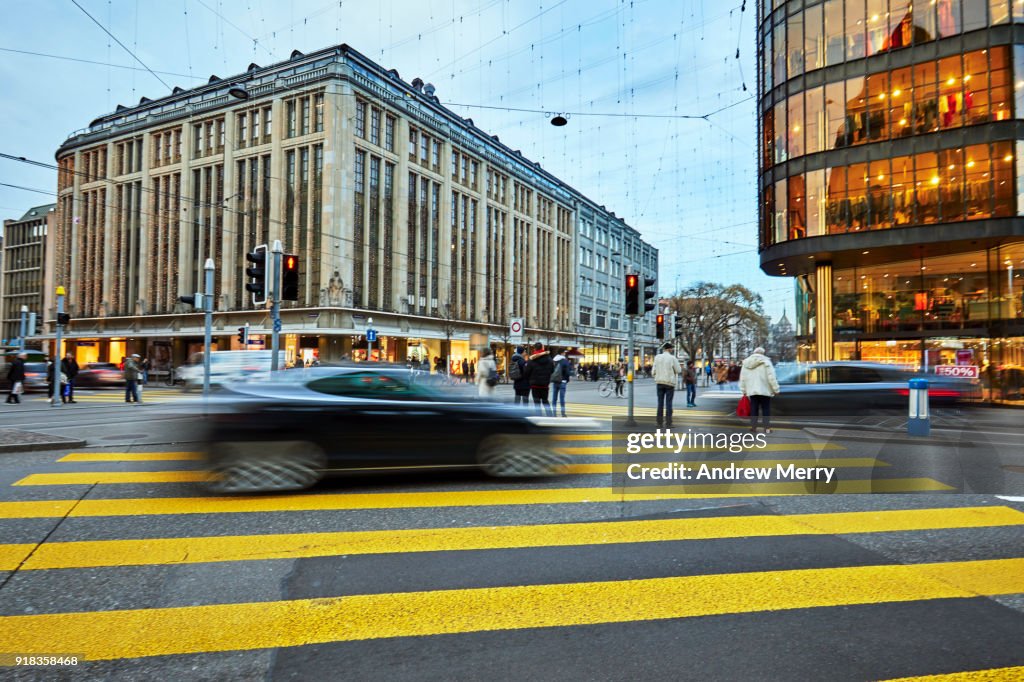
[{"x": 16, "y": 440}]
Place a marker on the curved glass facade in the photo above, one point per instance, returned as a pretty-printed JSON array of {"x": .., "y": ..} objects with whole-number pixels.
[{"x": 877, "y": 116}]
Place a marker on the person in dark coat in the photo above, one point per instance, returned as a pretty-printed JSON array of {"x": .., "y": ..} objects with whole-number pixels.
[
  {"x": 69, "y": 368},
  {"x": 520, "y": 384},
  {"x": 538, "y": 373},
  {"x": 16, "y": 375}
]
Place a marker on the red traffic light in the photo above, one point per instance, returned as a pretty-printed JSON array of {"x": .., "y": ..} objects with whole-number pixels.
[
  {"x": 630, "y": 280},
  {"x": 289, "y": 263}
]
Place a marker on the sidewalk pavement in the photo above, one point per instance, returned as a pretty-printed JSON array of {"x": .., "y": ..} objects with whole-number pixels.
[{"x": 16, "y": 440}]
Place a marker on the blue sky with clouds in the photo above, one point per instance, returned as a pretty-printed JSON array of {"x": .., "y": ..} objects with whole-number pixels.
[{"x": 627, "y": 71}]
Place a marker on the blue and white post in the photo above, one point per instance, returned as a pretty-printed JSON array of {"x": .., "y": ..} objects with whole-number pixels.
[{"x": 919, "y": 422}]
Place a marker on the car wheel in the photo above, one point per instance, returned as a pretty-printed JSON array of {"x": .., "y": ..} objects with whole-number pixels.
[
  {"x": 509, "y": 456},
  {"x": 244, "y": 467}
]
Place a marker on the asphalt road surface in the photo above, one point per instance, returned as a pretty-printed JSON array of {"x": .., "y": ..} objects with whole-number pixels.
[{"x": 113, "y": 554}]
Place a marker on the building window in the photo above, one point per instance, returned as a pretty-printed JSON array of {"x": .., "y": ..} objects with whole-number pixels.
[
  {"x": 414, "y": 137},
  {"x": 375, "y": 126},
  {"x": 585, "y": 312},
  {"x": 389, "y": 133},
  {"x": 318, "y": 104},
  {"x": 290, "y": 116},
  {"x": 268, "y": 114}
]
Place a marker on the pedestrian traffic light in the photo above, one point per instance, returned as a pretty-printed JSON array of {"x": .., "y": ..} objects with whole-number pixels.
[
  {"x": 195, "y": 300},
  {"x": 257, "y": 273},
  {"x": 63, "y": 318},
  {"x": 649, "y": 295},
  {"x": 243, "y": 335},
  {"x": 632, "y": 294},
  {"x": 290, "y": 277},
  {"x": 659, "y": 323}
]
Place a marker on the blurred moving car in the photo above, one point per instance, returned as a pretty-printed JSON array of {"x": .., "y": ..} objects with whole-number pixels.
[
  {"x": 847, "y": 387},
  {"x": 35, "y": 376},
  {"x": 288, "y": 432},
  {"x": 99, "y": 375},
  {"x": 226, "y": 366}
]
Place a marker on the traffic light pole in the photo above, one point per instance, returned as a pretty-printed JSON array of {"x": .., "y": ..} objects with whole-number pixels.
[
  {"x": 630, "y": 421},
  {"x": 55, "y": 398},
  {"x": 24, "y": 321},
  {"x": 208, "y": 332},
  {"x": 275, "y": 305}
]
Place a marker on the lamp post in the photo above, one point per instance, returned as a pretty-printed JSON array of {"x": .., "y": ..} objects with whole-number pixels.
[
  {"x": 54, "y": 402},
  {"x": 371, "y": 336},
  {"x": 208, "y": 332}
]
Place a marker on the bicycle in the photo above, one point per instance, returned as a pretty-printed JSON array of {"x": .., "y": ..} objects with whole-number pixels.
[{"x": 606, "y": 387}]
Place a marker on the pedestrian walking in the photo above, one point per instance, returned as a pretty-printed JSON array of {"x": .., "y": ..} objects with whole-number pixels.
[
  {"x": 50, "y": 368},
  {"x": 721, "y": 375},
  {"x": 690, "y": 381},
  {"x": 538, "y": 373},
  {"x": 595, "y": 373},
  {"x": 560, "y": 381},
  {"x": 131, "y": 379},
  {"x": 666, "y": 373},
  {"x": 68, "y": 370},
  {"x": 620, "y": 380},
  {"x": 517, "y": 373},
  {"x": 487, "y": 377},
  {"x": 707, "y": 373},
  {"x": 758, "y": 382},
  {"x": 472, "y": 371},
  {"x": 16, "y": 375},
  {"x": 733, "y": 376},
  {"x": 465, "y": 369}
]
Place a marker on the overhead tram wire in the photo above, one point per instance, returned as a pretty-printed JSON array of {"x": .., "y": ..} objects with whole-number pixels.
[{"x": 123, "y": 46}]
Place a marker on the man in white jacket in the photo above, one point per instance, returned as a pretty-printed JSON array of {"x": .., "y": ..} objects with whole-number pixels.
[
  {"x": 758, "y": 382},
  {"x": 666, "y": 373}
]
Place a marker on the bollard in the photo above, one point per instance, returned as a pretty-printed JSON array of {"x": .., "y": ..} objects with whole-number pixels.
[{"x": 919, "y": 422}]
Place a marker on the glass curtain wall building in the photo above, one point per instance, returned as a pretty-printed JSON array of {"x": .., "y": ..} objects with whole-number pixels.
[{"x": 890, "y": 145}]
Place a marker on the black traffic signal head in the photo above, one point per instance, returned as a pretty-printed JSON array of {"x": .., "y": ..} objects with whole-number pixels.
[
  {"x": 257, "y": 273},
  {"x": 195, "y": 300},
  {"x": 659, "y": 323},
  {"x": 649, "y": 294},
  {"x": 243, "y": 336},
  {"x": 632, "y": 294},
  {"x": 290, "y": 277},
  {"x": 63, "y": 318}
]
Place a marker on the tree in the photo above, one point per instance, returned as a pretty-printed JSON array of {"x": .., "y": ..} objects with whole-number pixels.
[{"x": 708, "y": 315}]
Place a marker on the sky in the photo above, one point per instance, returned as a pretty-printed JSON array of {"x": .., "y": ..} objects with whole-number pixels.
[{"x": 659, "y": 94}]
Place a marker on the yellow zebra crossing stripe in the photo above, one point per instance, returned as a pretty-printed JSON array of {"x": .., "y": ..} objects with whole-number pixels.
[
  {"x": 989, "y": 675},
  {"x": 105, "y": 635},
  {"x": 114, "y": 477},
  {"x": 34, "y": 509},
  {"x": 189, "y": 550},
  {"x": 131, "y": 457}
]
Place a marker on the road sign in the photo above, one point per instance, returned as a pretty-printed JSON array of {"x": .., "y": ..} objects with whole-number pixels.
[
  {"x": 515, "y": 329},
  {"x": 960, "y": 371},
  {"x": 371, "y": 335},
  {"x": 277, "y": 325}
]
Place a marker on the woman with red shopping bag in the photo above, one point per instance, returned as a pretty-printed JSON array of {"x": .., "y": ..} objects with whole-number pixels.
[{"x": 758, "y": 384}]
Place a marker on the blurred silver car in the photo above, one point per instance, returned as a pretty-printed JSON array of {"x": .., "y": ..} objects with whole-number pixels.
[{"x": 847, "y": 387}]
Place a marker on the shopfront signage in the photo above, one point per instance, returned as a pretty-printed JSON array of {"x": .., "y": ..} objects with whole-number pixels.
[
  {"x": 960, "y": 371},
  {"x": 964, "y": 356}
]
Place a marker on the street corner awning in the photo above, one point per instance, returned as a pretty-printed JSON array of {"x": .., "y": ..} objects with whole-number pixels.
[{"x": 574, "y": 353}]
